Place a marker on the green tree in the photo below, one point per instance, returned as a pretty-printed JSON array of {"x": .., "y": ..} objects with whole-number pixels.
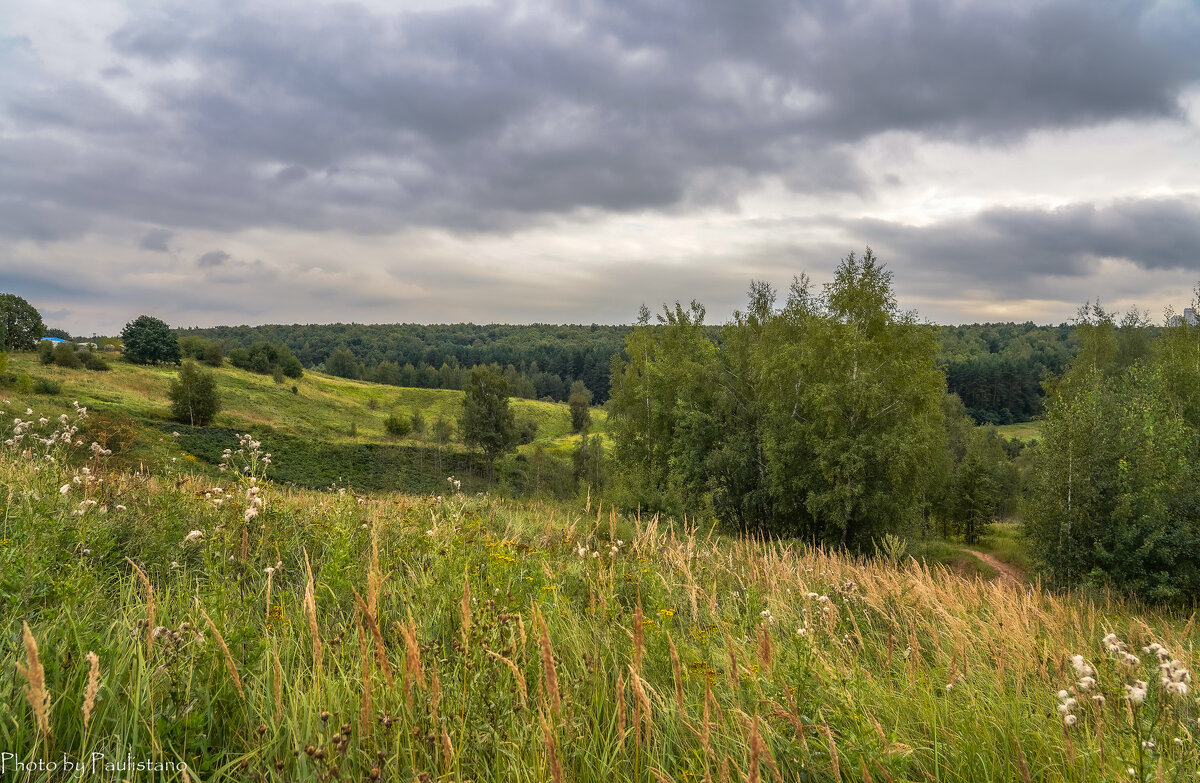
[
  {"x": 193, "y": 394},
  {"x": 149, "y": 340},
  {"x": 579, "y": 403},
  {"x": 343, "y": 364},
  {"x": 487, "y": 421},
  {"x": 20, "y": 324},
  {"x": 65, "y": 355},
  {"x": 1113, "y": 497},
  {"x": 443, "y": 431},
  {"x": 212, "y": 355}
]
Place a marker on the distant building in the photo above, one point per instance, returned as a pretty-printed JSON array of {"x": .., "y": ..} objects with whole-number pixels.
[
  {"x": 54, "y": 340},
  {"x": 1189, "y": 317}
]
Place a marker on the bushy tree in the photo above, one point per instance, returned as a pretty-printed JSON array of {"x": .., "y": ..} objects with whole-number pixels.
[
  {"x": 487, "y": 421},
  {"x": 20, "y": 324},
  {"x": 579, "y": 403},
  {"x": 148, "y": 340},
  {"x": 1114, "y": 495},
  {"x": 65, "y": 355},
  {"x": 819, "y": 419},
  {"x": 194, "y": 397},
  {"x": 398, "y": 425},
  {"x": 343, "y": 364}
]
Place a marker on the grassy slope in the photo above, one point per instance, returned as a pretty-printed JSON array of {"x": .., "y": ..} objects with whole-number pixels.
[
  {"x": 1026, "y": 431},
  {"x": 675, "y": 657},
  {"x": 323, "y": 409}
]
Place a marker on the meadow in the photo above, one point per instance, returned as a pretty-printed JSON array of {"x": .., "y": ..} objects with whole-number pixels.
[{"x": 253, "y": 631}]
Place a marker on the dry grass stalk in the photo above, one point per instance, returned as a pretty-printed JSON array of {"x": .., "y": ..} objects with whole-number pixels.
[
  {"x": 755, "y": 752},
  {"x": 620, "y": 707},
  {"x": 435, "y": 690},
  {"x": 373, "y": 581},
  {"x": 413, "y": 673},
  {"x": 229, "y": 664},
  {"x": 277, "y": 681},
  {"x": 447, "y": 749},
  {"x": 638, "y": 642},
  {"x": 149, "y": 606},
  {"x": 270, "y": 583},
  {"x": 642, "y": 703},
  {"x": 549, "y": 671},
  {"x": 364, "y": 645},
  {"x": 465, "y": 608},
  {"x": 376, "y": 638},
  {"x": 310, "y": 607},
  {"x": 556, "y": 771},
  {"x": 93, "y": 686},
  {"x": 833, "y": 752},
  {"x": 676, "y": 671},
  {"x": 35, "y": 692},
  {"x": 516, "y": 673},
  {"x": 765, "y": 653}
]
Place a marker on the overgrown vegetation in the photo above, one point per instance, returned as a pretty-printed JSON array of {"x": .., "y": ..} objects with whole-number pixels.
[{"x": 245, "y": 629}]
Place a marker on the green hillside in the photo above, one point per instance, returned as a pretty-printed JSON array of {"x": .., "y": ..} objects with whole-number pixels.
[{"x": 309, "y": 428}]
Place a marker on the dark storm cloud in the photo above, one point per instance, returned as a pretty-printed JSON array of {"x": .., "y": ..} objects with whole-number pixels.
[
  {"x": 1008, "y": 249},
  {"x": 156, "y": 240},
  {"x": 490, "y": 117}
]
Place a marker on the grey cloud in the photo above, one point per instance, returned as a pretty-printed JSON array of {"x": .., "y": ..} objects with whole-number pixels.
[
  {"x": 156, "y": 240},
  {"x": 212, "y": 258},
  {"x": 1012, "y": 250},
  {"x": 496, "y": 117}
]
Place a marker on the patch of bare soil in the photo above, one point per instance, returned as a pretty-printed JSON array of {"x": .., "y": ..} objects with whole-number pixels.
[{"x": 1007, "y": 572}]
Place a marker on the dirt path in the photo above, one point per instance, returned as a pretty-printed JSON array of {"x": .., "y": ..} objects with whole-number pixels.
[{"x": 1007, "y": 573}]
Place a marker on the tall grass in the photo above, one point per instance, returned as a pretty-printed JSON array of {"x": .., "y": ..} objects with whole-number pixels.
[{"x": 509, "y": 642}]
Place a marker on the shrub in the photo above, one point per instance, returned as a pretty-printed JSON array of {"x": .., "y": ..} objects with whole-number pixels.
[
  {"x": 65, "y": 356},
  {"x": 46, "y": 386},
  {"x": 24, "y": 384},
  {"x": 194, "y": 397},
  {"x": 212, "y": 355},
  {"x": 94, "y": 361},
  {"x": 46, "y": 352},
  {"x": 398, "y": 425}
]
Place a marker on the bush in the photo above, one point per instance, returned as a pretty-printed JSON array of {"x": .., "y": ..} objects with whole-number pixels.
[
  {"x": 46, "y": 386},
  {"x": 46, "y": 352},
  {"x": 398, "y": 425},
  {"x": 24, "y": 384},
  {"x": 212, "y": 355},
  {"x": 94, "y": 361},
  {"x": 194, "y": 397},
  {"x": 65, "y": 356}
]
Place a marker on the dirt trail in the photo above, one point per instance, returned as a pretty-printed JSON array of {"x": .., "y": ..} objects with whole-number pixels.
[{"x": 1008, "y": 573}]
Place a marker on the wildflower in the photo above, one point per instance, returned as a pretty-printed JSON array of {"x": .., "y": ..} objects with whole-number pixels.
[
  {"x": 87, "y": 551},
  {"x": 802, "y": 631},
  {"x": 269, "y": 570},
  {"x": 251, "y": 513},
  {"x": 120, "y": 507},
  {"x": 1069, "y": 720},
  {"x": 194, "y": 535},
  {"x": 174, "y": 564},
  {"x": 1136, "y": 693},
  {"x": 65, "y": 488}
]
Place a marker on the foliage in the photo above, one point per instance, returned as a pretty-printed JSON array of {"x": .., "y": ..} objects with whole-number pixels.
[
  {"x": 343, "y": 364},
  {"x": 1114, "y": 498},
  {"x": 267, "y": 359},
  {"x": 819, "y": 419},
  {"x": 398, "y": 424},
  {"x": 93, "y": 361},
  {"x": 194, "y": 396},
  {"x": 46, "y": 352},
  {"x": 65, "y": 356},
  {"x": 46, "y": 386},
  {"x": 21, "y": 325},
  {"x": 148, "y": 340},
  {"x": 810, "y": 664},
  {"x": 580, "y": 402},
  {"x": 487, "y": 422}
]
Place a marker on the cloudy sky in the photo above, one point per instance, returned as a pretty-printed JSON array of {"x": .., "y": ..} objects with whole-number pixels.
[{"x": 566, "y": 160}]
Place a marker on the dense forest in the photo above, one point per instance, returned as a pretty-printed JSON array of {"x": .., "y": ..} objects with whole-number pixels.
[{"x": 996, "y": 369}]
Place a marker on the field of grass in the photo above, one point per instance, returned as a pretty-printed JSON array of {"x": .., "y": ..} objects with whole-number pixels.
[
  {"x": 257, "y": 632},
  {"x": 1026, "y": 430}
]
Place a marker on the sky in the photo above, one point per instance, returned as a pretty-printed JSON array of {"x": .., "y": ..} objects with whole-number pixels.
[{"x": 565, "y": 161}]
